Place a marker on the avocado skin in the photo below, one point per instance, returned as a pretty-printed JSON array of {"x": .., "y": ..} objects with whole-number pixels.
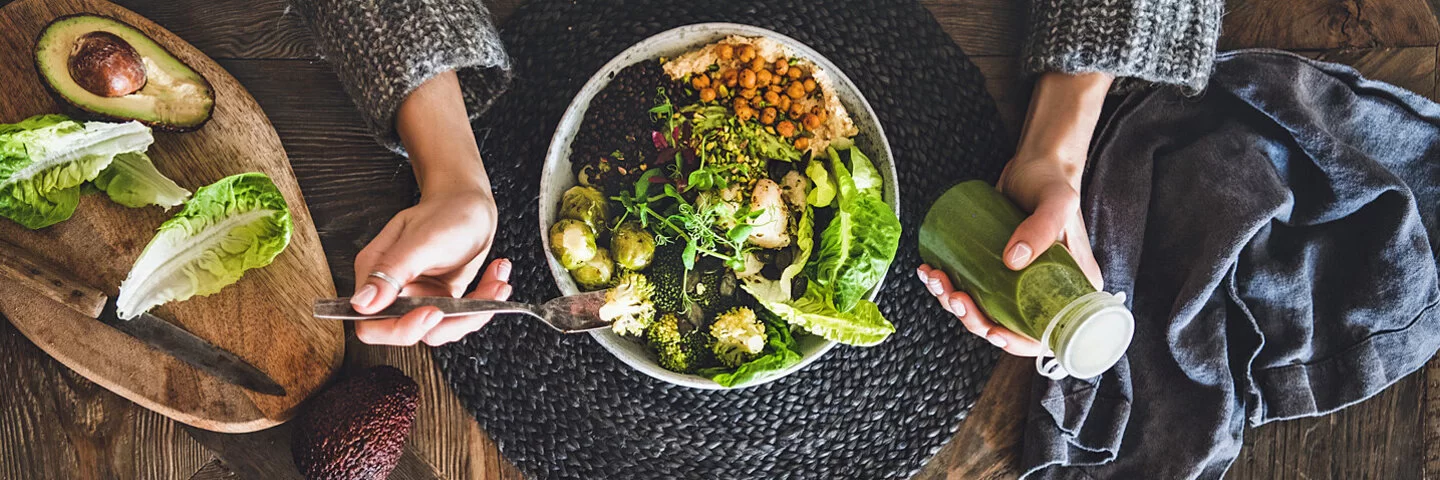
[
  {"x": 356, "y": 429},
  {"x": 80, "y": 111}
]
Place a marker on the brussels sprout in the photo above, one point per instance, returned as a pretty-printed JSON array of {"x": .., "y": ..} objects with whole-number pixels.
[
  {"x": 572, "y": 242},
  {"x": 633, "y": 246},
  {"x": 585, "y": 204},
  {"x": 596, "y": 273}
]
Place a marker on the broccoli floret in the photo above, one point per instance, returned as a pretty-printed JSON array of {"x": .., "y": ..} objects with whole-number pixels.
[
  {"x": 739, "y": 336},
  {"x": 667, "y": 273},
  {"x": 629, "y": 305},
  {"x": 672, "y": 349},
  {"x": 707, "y": 291}
]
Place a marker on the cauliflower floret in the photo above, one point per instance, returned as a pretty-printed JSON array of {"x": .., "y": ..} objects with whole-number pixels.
[
  {"x": 739, "y": 336},
  {"x": 628, "y": 305}
]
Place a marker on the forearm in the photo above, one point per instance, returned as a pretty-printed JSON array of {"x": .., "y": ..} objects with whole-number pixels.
[
  {"x": 1064, "y": 111},
  {"x": 434, "y": 127}
]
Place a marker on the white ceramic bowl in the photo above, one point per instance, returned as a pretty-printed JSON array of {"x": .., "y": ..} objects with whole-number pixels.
[{"x": 558, "y": 177}]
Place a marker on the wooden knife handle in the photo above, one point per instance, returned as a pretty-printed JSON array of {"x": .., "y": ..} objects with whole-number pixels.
[{"x": 18, "y": 266}]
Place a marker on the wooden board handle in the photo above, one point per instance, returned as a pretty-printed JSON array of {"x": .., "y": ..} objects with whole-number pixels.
[{"x": 19, "y": 266}]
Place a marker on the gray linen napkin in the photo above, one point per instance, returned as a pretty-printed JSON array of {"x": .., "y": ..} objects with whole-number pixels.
[{"x": 1277, "y": 237}]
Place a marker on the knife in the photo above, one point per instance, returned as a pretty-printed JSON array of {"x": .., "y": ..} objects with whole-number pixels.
[{"x": 20, "y": 267}]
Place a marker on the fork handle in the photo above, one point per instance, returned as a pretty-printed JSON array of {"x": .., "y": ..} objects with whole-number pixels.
[{"x": 339, "y": 308}]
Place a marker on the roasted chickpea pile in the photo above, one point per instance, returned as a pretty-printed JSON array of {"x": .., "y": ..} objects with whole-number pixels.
[{"x": 769, "y": 92}]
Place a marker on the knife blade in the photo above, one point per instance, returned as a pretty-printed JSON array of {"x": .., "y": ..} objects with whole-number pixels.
[
  {"x": 18, "y": 266},
  {"x": 177, "y": 342}
]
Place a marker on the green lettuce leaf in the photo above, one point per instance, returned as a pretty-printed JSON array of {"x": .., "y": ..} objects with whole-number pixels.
[
  {"x": 823, "y": 192},
  {"x": 815, "y": 312},
  {"x": 779, "y": 355},
  {"x": 236, "y": 224},
  {"x": 45, "y": 159},
  {"x": 804, "y": 244},
  {"x": 857, "y": 247},
  {"x": 132, "y": 180}
]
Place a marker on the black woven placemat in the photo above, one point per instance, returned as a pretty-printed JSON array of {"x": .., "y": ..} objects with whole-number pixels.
[{"x": 563, "y": 407}]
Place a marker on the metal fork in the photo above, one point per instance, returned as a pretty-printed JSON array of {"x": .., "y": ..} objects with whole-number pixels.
[{"x": 572, "y": 314}]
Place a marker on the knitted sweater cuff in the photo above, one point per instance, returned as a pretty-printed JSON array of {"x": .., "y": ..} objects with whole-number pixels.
[
  {"x": 1159, "y": 41},
  {"x": 383, "y": 50}
]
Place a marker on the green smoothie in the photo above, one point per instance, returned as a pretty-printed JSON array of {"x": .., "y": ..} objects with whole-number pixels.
[{"x": 964, "y": 235}]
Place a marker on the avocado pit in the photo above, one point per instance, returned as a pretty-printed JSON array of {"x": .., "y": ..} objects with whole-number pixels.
[{"x": 104, "y": 64}]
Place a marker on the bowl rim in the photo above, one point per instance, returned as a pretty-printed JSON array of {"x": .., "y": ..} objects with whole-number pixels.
[{"x": 575, "y": 114}]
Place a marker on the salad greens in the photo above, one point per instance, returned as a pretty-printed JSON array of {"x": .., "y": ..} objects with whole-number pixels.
[
  {"x": 858, "y": 246},
  {"x": 236, "y": 224},
  {"x": 132, "y": 180},
  {"x": 45, "y": 159}
]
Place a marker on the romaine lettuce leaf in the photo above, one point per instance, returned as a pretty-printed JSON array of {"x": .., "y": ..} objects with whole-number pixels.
[
  {"x": 823, "y": 192},
  {"x": 857, "y": 247},
  {"x": 815, "y": 312},
  {"x": 132, "y": 180},
  {"x": 234, "y": 225},
  {"x": 44, "y": 157},
  {"x": 804, "y": 245}
]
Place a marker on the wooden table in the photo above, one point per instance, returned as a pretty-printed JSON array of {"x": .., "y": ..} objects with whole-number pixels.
[{"x": 55, "y": 424}]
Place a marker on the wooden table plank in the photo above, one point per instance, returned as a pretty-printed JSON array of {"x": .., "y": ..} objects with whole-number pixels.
[{"x": 1328, "y": 24}]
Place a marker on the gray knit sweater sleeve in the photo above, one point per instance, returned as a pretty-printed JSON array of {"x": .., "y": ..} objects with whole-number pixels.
[
  {"x": 384, "y": 49},
  {"x": 1160, "y": 41}
]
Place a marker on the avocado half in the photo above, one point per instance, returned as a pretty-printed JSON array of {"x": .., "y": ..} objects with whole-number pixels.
[{"x": 110, "y": 70}]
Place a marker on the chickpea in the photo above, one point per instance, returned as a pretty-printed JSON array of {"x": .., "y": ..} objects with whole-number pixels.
[
  {"x": 746, "y": 53},
  {"x": 785, "y": 128},
  {"x": 772, "y": 98},
  {"x": 749, "y": 93},
  {"x": 757, "y": 64},
  {"x": 802, "y": 143},
  {"x": 795, "y": 91},
  {"x": 747, "y": 79},
  {"x": 700, "y": 82},
  {"x": 810, "y": 85},
  {"x": 730, "y": 77},
  {"x": 784, "y": 102},
  {"x": 796, "y": 110},
  {"x": 779, "y": 90},
  {"x": 782, "y": 65},
  {"x": 725, "y": 51},
  {"x": 740, "y": 104},
  {"x": 764, "y": 77},
  {"x": 707, "y": 95},
  {"x": 745, "y": 114},
  {"x": 767, "y": 116},
  {"x": 811, "y": 121},
  {"x": 794, "y": 73}
]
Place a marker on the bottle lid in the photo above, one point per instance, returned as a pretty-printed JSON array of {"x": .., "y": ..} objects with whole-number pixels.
[{"x": 1089, "y": 336}]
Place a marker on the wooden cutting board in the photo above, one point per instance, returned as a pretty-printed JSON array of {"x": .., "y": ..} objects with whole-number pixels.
[{"x": 264, "y": 318}]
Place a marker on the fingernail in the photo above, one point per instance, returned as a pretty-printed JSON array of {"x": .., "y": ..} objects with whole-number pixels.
[
  {"x": 996, "y": 340},
  {"x": 434, "y": 319},
  {"x": 957, "y": 307},
  {"x": 920, "y": 272},
  {"x": 503, "y": 270},
  {"x": 1019, "y": 254},
  {"x": 364, "y": 296},
  {"x": 504, "y": 292},
  {"x": 934, "y": 286}
]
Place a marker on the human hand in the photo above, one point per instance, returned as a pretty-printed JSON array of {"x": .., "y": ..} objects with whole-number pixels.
[
  {"x": 1051, "y": 191},
  {"x": 432, "y": 249},
  {"x": 1043, "y": 179},
  {"x": 436, "y": 247}
]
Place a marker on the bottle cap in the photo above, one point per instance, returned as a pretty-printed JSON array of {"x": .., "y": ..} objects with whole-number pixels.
[{"x": 1088, "y": 336}]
